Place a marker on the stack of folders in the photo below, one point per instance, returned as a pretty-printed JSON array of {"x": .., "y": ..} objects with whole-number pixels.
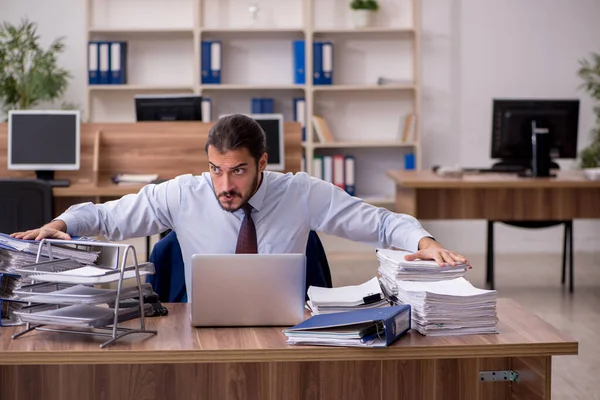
[
  {"x": 346, "y": 298},
  {"x": 30, "y": 247},
  {"x": 377, "y": 327}
]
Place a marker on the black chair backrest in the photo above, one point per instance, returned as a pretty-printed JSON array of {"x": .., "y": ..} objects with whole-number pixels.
[{"x": 24, "y": 204}]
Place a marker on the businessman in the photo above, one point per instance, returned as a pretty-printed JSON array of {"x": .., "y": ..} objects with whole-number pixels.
[{"x": 238, "y": 207}]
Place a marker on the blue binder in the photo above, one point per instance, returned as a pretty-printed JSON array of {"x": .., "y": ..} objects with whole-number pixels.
[
  {"x": 299, "y": 62},
  {"x": 118, "y": 63},
  {"x": 256, "y": 105},
  {"x": 396, "y": 321},
  {"x": 205, "y": 62},
  {"x": 104, "y": 62},
  {"x": 93, "y": 63},
  {"x": 268, "y": 105},
  {"x": 317, "y": 63}
]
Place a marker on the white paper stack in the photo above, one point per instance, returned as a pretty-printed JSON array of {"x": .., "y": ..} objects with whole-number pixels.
[
  {"x": 83, "y": 254},
  {"x": 449, "y": 307},
  {"x": 346, "y": 298},
  {"x": 393, "y": 266}
]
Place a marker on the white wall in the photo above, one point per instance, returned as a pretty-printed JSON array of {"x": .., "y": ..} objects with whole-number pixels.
[
  {"x": 473, "y": 51},
  {"x": 476, "y": 50}
]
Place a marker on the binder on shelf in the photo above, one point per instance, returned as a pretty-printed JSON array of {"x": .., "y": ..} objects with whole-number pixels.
[
  {"x": 328, "y": 169},
  {"x": 349, "y": 175},
  {"x": 206, "y": 109},
  {"x": 205, "y": 61},
  {"x": 268, "y": 106},
  {"x": 338, "y": 171},
  {"x": 118, "y": 63},
  {"x": 376, "y": 327},
  {"x": 409, "y": 161},
  {"x": 104, "y": 61},
  {"x": 93, "y": 63},
  {"x": 317, "y": 171},
  {"x": 299, "y": 62},
  {"x": 256, "y": 105},
  {"x": 317, "y": 63},
  {"x": 215, "y": 62},
  {"x": 327, "y": 63},
  {"x": 300, "y": 114}
]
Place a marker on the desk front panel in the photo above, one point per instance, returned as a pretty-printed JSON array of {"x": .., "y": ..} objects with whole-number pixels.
[{"x": 502, "y": 204}]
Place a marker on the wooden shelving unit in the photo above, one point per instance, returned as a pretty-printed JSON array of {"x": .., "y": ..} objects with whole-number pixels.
[{"x": 164, "y": 56}]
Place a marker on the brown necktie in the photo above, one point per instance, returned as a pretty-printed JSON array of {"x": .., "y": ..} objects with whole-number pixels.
[{"x": 247, "y": 237}]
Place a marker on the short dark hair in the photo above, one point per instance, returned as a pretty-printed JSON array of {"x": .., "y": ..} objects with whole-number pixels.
[{"x": 237, "y": 131}]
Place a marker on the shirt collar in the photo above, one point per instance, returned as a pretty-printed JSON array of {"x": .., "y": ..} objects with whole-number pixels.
[{"x": 257, "y": 200}]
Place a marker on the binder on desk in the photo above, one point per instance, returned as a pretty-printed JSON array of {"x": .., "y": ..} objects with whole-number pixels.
[
  {"x": 118, "y": 63},
  {"x": 376, "y": 327},
  {"x": 104, "y": 62},
  {"x": 93, "y": 64}
]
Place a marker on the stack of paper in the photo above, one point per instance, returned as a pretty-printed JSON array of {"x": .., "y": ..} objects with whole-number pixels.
[
  {"x": 449, "y": 307},
  {"x": 83, "y": 254},
  {"x": 393, "y": 266},
  {"x": 346, "y": 298}
]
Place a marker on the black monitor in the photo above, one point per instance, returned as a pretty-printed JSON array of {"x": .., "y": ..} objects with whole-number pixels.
[
  {"x": 44, "y": 141},
  {"x": 169, "y": 107},
  {"x": 512, "y": 122}
]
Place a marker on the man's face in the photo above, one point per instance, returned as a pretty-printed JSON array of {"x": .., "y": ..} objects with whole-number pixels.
[{"x": 235, "y": 175}]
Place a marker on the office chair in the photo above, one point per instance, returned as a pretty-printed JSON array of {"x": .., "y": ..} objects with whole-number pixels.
[
  {"x": 24, "y": 204},
  {"x": 169, "y": 279},
  {"x": 567, "y": 246}
]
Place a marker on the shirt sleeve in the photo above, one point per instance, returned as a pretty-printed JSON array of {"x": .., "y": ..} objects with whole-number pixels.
[
  {"x": 333, "y": 211},
  {"x": 151, "y": 211}
]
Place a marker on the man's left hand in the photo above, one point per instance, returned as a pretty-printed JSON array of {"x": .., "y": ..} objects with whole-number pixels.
[{"x": 429, "y": 249}]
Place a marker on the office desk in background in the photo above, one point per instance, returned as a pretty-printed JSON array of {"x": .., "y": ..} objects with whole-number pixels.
[
  {"x": 497, "y": 197},
  {"x": 223, "y": 363}
]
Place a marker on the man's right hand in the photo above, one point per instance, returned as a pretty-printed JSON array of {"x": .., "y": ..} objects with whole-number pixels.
[{"x": 53, "y": 230}]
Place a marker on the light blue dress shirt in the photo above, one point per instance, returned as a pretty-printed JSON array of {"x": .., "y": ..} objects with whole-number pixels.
[{"x": 286, "y": 208}]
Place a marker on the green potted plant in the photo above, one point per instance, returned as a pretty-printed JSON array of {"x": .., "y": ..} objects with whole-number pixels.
[
  {"x": 363, "y": 12},
  {"x": 29, "y": 74},
  {"x": 589, "y": 157}
]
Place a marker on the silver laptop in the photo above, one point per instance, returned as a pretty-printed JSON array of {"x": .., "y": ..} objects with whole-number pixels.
[{"x": 248, "y": 289}]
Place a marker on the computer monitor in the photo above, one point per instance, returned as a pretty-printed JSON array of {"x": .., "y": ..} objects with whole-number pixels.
[
  {"x": 272, "y": 125},
  {"x": 44, "y": 141},
  {"x": 512, "y": 129},
  {"x": 168, "y": 107}
]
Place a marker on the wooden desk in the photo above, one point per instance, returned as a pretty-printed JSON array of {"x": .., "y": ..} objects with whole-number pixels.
[
  {"x": 497, "y": 197},
  {"x": 182, "y": 362}
]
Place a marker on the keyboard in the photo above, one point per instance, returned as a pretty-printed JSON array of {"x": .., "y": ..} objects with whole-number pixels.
[{"x": 59, "y": 182}]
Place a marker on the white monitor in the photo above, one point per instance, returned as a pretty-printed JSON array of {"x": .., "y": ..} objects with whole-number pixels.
[
  {"x": 44, "y": 141},
  {"x": 272, "y": 125}
]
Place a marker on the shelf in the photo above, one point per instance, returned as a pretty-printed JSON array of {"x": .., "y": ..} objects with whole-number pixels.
[
  {"x": 251, "y": 87},
  {"x": 115, "y": 88},
  {"x": 145, "y": 32},
  {"x": 372, "y": 30},
  {"x": 373, "y": 144},
  {"x": 358, "y": 88},
  {"x": 252, "y": 30}
]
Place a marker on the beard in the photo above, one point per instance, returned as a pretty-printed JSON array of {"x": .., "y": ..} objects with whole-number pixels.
[{"x": 234, "y": 194}]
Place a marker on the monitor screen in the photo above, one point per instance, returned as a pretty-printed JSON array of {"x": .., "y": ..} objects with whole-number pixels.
[
  {"x": 43, "y": 140},
  {"x": 512, "y": 127},
  {"x": 168, "y": 107},
  {"x": 272, "y": 125}
]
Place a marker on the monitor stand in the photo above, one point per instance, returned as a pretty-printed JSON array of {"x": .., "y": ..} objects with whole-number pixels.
[{"x": 48, "y": 176}]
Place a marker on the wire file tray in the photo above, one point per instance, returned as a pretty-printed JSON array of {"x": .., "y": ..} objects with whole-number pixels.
[{"x": 67, "y": 302}]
